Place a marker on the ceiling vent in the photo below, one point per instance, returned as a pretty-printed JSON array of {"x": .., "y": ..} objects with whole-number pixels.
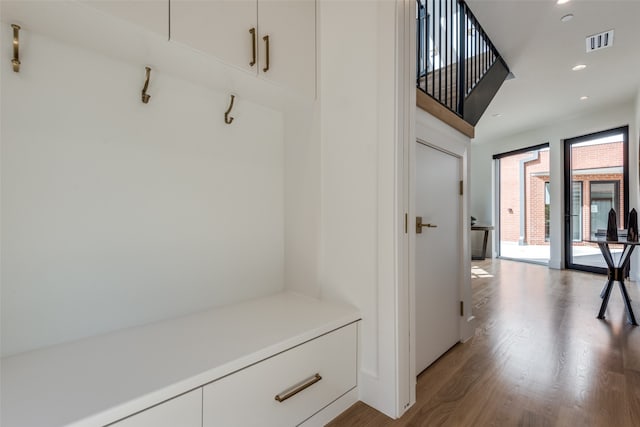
[{"x": 600, "y": 41}]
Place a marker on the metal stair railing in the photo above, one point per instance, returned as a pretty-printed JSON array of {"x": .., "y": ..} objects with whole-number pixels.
[{"x": 453, "y": 52}]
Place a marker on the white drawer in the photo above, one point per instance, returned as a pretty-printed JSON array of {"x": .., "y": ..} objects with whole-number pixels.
[
  {"x": 248, "y": 397},
  {"x": 183, "y": 411}
]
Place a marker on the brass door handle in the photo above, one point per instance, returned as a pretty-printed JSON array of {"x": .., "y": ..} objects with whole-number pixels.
[
  {"x": 266, "y": 44},
  {"x": 253, "y": 46},
  {"x": 419, "y": 225}
]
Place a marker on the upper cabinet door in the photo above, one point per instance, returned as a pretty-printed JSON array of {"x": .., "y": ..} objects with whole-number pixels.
[
  {"x": 150, "y": 14},
  {"x": 291, "y": 28},
  {"x": 221, "y": 28}
]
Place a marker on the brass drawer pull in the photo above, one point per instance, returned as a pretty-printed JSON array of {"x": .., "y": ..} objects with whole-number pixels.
[
  {"x": 253, "y": 46},
  {"x": 298, "y": 388},
  {"x": 266, "y": 44},
  {"x": 16, "y": 48}
]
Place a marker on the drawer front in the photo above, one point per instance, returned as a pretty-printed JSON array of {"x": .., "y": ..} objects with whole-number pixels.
[
  {"x": 248, "y": 397},
  {"x": 183, "y": 411}
]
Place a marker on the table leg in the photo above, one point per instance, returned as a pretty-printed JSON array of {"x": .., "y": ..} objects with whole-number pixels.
[
  {"x": 605, "y": 298},
  {"x": 483, "y": 255},
  {"x": 616, "y": 274},
  {"x": 603, "y": 290},
  {"x": 484, "y": 243},
  {"x": 627, "y": 304},
  {"x": 608, "y": 258}
]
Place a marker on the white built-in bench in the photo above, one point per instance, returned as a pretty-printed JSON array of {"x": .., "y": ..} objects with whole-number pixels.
[{"x": 222, "y": 367}]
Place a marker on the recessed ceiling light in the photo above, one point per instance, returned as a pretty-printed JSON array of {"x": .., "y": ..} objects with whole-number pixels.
[
  {"x": 496, "y": 115},
  {"x": 567, "y": 18},
  {"x": 579, "y": 67},
  {"x": 584, "y": 98},
  {"x": 562, "y": 1}
]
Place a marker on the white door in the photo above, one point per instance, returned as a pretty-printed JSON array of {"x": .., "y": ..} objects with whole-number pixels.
[{"x": 438, "y": 251}]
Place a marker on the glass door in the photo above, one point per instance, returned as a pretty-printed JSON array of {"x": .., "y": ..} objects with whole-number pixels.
[{"x": 596, "y": 181}]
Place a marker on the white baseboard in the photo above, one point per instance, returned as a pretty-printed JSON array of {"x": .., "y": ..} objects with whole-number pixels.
[{"x": 469, "y": 329}]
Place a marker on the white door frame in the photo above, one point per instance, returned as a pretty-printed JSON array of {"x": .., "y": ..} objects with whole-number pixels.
[
  {"x": 460, "y": 253},
  {"x": 435, "y": 134},
  {"x": 413, "y": 124}
]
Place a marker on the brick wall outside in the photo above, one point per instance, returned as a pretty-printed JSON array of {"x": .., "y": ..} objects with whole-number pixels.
[
  {"x": 535, "y": 209},
  {"x": 510, "y": 197},
  {"x": 536, "y": 173},
  {"x": 597, "y": 156}
]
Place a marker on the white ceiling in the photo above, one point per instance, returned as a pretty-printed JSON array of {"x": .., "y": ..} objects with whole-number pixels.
[{"x": 540, "y": 50}]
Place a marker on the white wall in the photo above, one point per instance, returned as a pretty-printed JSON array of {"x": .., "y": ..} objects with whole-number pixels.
[
  {"x": 302, "y": 198},
  {"x": 638, "y": 112},
  {"x": 3, "y": 65},
  {"x": 116, "y": 213},
  {"x": 634, "y": 139},
  {"x": 325, "y": 175},
  {"x": 358, "y": 218},
  {"x": 482, "y": 150}
]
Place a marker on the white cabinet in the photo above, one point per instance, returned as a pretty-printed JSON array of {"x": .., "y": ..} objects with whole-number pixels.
[
  {"x": 291, "y": 27},
  {"x": 283, "y": 390},
  {"x": 275, "y": 39},
  {"x": 150, "y": 14},
  {"x": 218, "y": 27},
  {"x": 239, "y": 358},
  {"x": 183, "y": 411},
  {"x": 249, "y": 397}
]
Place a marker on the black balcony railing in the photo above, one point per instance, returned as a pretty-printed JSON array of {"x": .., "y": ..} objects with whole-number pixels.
[{"x": 453, "y": 52}]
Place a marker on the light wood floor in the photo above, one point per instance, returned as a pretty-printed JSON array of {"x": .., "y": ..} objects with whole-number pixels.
[{"x": 539, "y": 357}]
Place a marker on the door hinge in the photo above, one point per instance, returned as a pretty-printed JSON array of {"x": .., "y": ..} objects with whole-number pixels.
[
  {"x": 461, "y": 308},
  {"x": 461, "y": 185},
  {"x": 406, "y": 223}
]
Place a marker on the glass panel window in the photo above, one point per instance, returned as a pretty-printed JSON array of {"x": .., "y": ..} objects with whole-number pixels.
[
  {"x": 604, "y": 196},
  {"x": 576, "y": 211},
  {"x": 547, "y": 205}
]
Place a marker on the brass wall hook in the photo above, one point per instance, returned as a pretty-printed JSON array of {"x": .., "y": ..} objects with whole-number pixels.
[
  {"x": 145, "y": 95},
  {"x": 228, "y": 119},
  {"x": 16, "y": 48}
]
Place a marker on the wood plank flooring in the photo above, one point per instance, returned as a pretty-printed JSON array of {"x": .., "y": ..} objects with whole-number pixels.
[{"x": 539, "y": 357}]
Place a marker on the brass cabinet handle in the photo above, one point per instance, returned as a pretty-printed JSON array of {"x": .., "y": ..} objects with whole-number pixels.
[
  {"x": 266, "y": 42},
  {"x": 298, "y": 388},
  {"x": 253, "y": 46},
  {"x": 16, "y": 48},
  {"x": 419, "y": 225}
]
